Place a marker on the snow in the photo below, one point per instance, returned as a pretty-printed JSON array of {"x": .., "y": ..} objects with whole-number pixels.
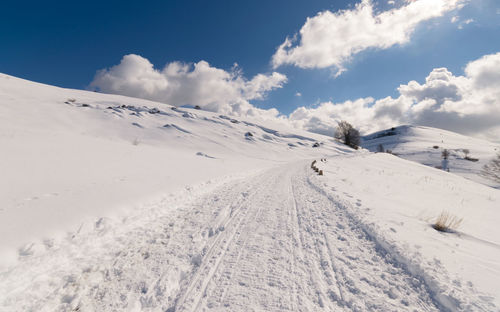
[
  {"x": 72, "y": 156},
  {"x": 463, "y": 265},
  {"x": 112, "y": 203},
  {"x": 425, "y": 145}
]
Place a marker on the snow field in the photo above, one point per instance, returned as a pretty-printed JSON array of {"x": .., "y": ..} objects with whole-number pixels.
[
  {"x": 271, "y": 242},
  {"x": 111, "y": 203},
  {"x": 460, "y": 269},
  {"x": 70, "y": 157}
]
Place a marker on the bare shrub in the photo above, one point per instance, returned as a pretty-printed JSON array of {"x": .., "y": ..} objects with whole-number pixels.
[
  {"x": 447, "y": 222},
  {"x": 380, "y": 148},
  {"x": 492, "y": 169}
]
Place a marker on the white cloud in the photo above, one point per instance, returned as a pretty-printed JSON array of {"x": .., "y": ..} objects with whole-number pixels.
[
  {"x": 485, "y": 71},
  {"x": 298, "y": 94},
  {"x": 184, "y": 84},
  {"x": 331, "y": 39},
  {"x": 466, "y": 22},
  {"x": 468, "y": 104},
  {"x": 323, "y": 119}
]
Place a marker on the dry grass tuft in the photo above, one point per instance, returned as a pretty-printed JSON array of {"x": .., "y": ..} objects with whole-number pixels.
[{"x": 447, "y": 222}]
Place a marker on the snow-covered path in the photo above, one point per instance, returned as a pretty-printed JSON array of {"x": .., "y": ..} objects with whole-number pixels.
[{"x": 270, "y": 242}]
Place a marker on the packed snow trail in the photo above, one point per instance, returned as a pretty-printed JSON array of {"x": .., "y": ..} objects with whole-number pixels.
[{"x": 270, "y": 242}]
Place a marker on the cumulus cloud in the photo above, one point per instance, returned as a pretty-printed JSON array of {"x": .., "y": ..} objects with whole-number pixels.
[
  {"x": 185, "y": 84},
  {"x": 468, "y": 104},
  {"x": 331, "y": 39}
]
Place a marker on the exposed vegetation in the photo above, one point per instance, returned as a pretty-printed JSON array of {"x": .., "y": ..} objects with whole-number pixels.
[
  {"x": 492, "y": 169},
  {"x": 447, "y": 222},
  {"x": 380, "y": 148},
  {"x": 346, "y": 133}
]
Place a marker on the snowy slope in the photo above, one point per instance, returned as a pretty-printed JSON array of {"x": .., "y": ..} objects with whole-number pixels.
[
  {"x": 70, "y": 156},
  {"x": 425, "y": 145},
  {"x": 112, "y": 203}
]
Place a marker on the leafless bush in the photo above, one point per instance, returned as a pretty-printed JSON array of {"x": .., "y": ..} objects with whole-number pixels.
[
  {"x": 380, "y": 148},
  {"x": 492, "y": 169},
  {"x": 447, "y": 222}
]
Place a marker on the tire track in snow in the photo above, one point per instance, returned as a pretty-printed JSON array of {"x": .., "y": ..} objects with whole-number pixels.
[
  {"x": 239, "y": 264},
  {"x": 307, "y": 242},
  {"x": 216, "y": 252},
  {"x": 303, "y": 253}
]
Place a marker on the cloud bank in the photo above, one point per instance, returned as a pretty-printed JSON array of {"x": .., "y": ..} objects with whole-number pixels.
[
  {"x": 468, "y": 104},
  {"x": 180, "y": 84},
  {"x": 331, "y": 39}
]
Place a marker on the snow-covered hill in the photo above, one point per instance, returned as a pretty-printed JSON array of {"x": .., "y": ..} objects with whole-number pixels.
[
  {"x": 69, "y": 156},
  {"x": 425, "y": 145},
  {"x": 111, "y": 203}
]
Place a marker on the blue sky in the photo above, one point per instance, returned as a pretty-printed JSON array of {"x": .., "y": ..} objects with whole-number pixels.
[{"x": 65, "y": 43}]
